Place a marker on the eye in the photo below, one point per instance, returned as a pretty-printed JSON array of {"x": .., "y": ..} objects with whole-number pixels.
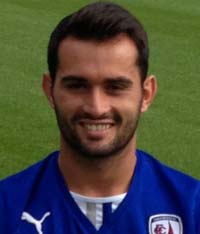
[
  {"x": 117, "y": 86},
  {"x": 76, "y": 85}
]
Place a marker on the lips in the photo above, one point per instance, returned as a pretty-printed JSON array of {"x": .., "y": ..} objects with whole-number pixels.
[{"x": 97, "y": 127}]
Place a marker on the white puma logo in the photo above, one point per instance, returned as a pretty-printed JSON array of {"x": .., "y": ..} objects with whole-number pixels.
[{"x": 38, "y": 223}]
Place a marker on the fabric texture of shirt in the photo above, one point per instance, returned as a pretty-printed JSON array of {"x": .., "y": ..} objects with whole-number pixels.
[{"x": 160, "y": 200}]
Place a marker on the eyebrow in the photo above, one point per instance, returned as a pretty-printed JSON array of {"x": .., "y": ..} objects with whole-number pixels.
[
  {"x": 73, "y": 78},
  {"x": 121, "y": 80}
]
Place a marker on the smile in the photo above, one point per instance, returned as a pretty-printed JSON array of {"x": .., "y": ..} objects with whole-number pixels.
[{"x": 97, "y": 127}]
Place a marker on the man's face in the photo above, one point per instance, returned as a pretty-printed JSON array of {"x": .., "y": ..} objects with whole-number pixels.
[{"x": 97, "y": 95}]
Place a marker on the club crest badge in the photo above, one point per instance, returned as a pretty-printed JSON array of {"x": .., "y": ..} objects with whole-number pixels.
[{"x": 165, "y": 224}]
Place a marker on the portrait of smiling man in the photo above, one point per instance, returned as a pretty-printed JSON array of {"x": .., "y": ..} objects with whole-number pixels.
[
  {"x": 99, "y": 182},
  {"x": 98, "y": 97}
]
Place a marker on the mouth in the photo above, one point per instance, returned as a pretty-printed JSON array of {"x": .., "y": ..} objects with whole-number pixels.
[{"x": 97, "y": 127}]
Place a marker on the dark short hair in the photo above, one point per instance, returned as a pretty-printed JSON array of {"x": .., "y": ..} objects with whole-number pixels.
[{"x": 99, "y": 21}]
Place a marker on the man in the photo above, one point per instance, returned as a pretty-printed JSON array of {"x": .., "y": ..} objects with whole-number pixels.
[{"x": 98, "y": 182}]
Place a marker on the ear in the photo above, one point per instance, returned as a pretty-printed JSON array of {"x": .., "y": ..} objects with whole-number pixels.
[
  {"x": 47, "y": 86},
  {"x": 149, "y": 92}
]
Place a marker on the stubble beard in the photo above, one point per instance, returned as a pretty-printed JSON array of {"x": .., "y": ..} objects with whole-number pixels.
[{"x": 120, "y": 141}]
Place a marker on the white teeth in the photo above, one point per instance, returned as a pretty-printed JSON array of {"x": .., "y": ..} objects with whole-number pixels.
[{"x": 97, "y": 127}]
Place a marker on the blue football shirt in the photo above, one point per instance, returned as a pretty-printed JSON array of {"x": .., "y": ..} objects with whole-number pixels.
[{"x": 160, "y": 200}]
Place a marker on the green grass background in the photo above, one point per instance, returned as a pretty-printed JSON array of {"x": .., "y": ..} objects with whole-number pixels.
[{"x": 171, "y": 128}]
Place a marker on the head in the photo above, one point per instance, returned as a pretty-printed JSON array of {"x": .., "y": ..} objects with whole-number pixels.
[
  {"x": 97, "y": 81},
  {"x": 99, "y": 22}
]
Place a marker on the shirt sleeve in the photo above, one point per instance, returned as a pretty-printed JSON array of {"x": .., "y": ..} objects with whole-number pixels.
[
  {"x": 3, "y": 213},
  {"x": 197, "y": 212}
]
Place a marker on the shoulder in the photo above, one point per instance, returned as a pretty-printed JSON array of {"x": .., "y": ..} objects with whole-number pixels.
[
  {"x": 168, "y": 184},
  {"x": 16, "y": 189},
  {"x": 168, "y": 179},
  {"x": 23, "y": 178},
  {"x": 158, "y": 168}
]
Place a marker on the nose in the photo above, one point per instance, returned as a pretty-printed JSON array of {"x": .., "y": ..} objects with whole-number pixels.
[{"x": 96, "y": 103}]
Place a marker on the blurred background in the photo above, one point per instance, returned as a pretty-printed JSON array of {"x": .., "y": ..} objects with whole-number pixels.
[{"x": 170, "y": 130}]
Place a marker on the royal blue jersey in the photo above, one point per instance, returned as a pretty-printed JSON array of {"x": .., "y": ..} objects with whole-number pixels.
[{"x": 160, "y": 200}]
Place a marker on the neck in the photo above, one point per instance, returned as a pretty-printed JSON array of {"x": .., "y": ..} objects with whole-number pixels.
[{"x": 98, "y": 178}]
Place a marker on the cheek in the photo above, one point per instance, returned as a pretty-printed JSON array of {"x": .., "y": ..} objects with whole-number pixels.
[
  {"x": 131, "y": 104},
  {"x": 68, "y": 105}
]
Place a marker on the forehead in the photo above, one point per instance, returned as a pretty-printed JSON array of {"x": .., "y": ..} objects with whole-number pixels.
[{"x": 117, "y": 55}]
